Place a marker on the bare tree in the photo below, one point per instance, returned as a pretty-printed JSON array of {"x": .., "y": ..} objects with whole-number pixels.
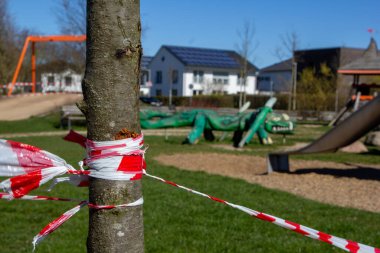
[
  {"x": 245, "y": 48},
  {"x": 71, "y": 17},
  {"x": 290, "y": 43},
  {"x": 111, "y": 102},
  {"x": 212, "y": 87},
  {"x": 8, "y": 44}
]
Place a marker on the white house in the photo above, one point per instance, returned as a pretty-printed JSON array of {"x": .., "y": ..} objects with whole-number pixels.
[
  {"x": 70, "y": 81},
  {"x": 66, "y": 81},
  {"x": 188, "y": 71}
]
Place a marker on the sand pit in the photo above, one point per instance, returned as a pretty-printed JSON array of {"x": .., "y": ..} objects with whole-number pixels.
[{"x": 327, "y": 182}]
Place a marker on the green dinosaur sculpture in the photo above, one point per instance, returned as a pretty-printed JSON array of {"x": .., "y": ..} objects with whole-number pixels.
[{"x": 205, "y": 121}]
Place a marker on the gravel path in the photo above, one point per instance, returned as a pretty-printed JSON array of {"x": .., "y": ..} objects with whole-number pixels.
[
  {"x": 327, "y": 182},
  {"x": 156, "y": 132},
  {"x": 24, "y": 106}
]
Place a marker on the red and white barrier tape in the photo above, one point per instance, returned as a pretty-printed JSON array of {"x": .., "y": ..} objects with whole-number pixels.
[
  {"x": 7, "y": 196},
  {"x": 18, "y": 84},
  {"x": 116, "y": 160},
  {"x": 31, "y": 167},
  {"x": 341, "y": 243},
  {"x": 106, "y": 160},
  {"x": 55, "y": 224}
]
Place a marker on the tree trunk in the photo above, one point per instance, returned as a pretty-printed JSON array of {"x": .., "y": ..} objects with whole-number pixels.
[{"x": 111, "y": 102}]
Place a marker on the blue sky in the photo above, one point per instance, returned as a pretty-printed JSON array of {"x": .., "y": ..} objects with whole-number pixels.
[{"x": 214, "y": 23}]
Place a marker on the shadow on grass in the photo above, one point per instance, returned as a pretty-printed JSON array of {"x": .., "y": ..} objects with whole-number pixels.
[
  {"x": 372, "y": 151},
  {"x": 361, "y": 172}
]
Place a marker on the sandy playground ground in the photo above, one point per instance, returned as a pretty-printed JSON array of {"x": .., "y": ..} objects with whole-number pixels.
[{"x": 355, "y": 186}]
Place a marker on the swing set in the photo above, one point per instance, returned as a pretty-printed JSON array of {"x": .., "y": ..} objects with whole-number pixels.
[{"x": 33, "y": 40}]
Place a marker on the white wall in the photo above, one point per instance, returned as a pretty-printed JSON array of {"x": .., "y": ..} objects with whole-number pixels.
[
  {"x": 235, "y": 88},
  {"x": 165, "y": 62},
  {"x": 207, "y": 86},
  {"x": 59, "y": 84}
]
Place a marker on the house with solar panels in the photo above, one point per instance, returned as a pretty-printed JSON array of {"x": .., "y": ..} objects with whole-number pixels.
[{"x": 188, "y": 71}]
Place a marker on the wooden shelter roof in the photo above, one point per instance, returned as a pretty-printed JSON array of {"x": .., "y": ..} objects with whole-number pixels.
[{"x": 368, "y": 64}]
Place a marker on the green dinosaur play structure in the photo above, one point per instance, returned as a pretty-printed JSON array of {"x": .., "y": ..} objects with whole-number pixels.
[{"x": 262, "y": 121}]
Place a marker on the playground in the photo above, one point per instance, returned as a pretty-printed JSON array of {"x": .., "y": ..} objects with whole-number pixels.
[
  {"x": 320, "y": 185},
  {"x": 342, "y": 184},
  {"x": 334, "y": 193}
]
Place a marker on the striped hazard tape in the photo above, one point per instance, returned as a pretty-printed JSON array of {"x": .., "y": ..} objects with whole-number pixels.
[
  {"x": 341, "y": 243},
  {"x": 55, "y": 224},
  {"x": 114, "y": 160},
  {"x": 18, "y": 84}
]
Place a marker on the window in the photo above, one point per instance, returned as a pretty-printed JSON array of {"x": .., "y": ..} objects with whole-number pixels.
[
  {"x": 158, "y": 93},
  {"x": 240, "y": 80},
  {"x": 175, "y": 92},
  {"x": 220, "y": 78},
  {"x": 51, "y": 80},
  {"x": 144, "y": 77},
  {"x": 68, "y": 80},
  {"x": 198, "y": 76},
  {"x": 175, "y": 76},
  {"x": 159, "y": 77},
  {"x": 263, "y": 78}
]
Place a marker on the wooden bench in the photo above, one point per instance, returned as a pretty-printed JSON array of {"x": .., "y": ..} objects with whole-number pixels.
[{"x": 70, "y": 113}]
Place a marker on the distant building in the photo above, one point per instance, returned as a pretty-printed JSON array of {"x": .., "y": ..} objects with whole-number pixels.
[
  {"x": 334, "y": 58},
  {"x": 367, "y": 64},
  {"x": 278, "y": 77},
  {"x": 70, "y": 80},
  {"x": 65, "y": 81},
  {"x": 363, "y": 72},
  {"x": 189, "y": 71},
  {"x": 275, "y": 78}
]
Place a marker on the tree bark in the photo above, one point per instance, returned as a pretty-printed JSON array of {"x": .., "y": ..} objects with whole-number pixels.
[{"x": 111, "y": 102}]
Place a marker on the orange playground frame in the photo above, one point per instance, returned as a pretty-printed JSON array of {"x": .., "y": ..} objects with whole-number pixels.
[{"x": 34, "y": 40}]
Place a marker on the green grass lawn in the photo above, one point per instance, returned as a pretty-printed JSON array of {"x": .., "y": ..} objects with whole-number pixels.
[
  {"x": 49, "y": 123},
  {"x": 177, "y": 221},
  {"x": 33, "y": 124}
]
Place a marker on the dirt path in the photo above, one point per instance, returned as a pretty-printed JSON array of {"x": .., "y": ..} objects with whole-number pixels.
[
  {"x": 25, "y": 106},
  {"x": 147, "y": 132},
  {"x": 327, "y": 182}
]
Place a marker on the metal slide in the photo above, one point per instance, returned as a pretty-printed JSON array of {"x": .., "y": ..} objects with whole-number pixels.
[{"x": 348, "y": 131}]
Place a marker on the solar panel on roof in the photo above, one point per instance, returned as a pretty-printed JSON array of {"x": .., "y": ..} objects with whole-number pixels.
[{"x": 205, "y": 57}]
